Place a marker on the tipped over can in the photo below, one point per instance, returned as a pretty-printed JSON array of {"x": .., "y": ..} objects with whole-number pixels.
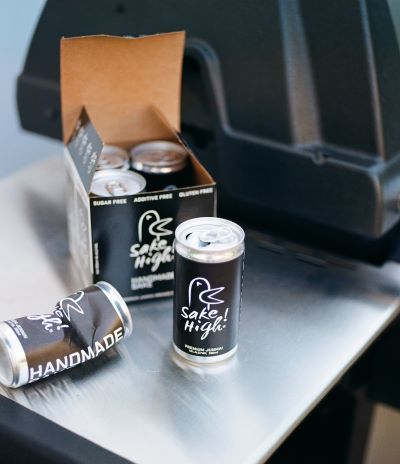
[
  {"x": 81, "y": 327},
  {"x": 209, "y": 254}
]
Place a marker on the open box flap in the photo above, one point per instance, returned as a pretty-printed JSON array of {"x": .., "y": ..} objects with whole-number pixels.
[
  {"x": 85, "y": 146},
  {"x": 116, "y": 79}
]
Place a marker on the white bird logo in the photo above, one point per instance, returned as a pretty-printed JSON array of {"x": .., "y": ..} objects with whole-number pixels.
[
  {"x": 206, "y": 296},
  {"x": 70, "y": 303},
  {"x": 156, "y": 227}
]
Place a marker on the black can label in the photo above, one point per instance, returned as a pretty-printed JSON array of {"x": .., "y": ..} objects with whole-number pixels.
[
  {"x": 207, "y": 301},
  {"x": 81, "y": 327}
]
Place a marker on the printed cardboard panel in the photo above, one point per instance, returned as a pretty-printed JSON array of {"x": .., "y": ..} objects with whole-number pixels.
[
  {"x": 133, "y": 237},
  {"x": 85, "y": 146},
  {"x": 78, "y": 220},
  {"x": 116, "y": 79}
]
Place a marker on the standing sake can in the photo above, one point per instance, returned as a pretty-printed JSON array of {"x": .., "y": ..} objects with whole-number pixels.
[{"x": 209, "y": 257}]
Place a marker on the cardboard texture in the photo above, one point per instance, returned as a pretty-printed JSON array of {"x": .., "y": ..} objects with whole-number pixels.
[
  {"x": 126, "y": 240},
  {"x": 117, "y": 79}
]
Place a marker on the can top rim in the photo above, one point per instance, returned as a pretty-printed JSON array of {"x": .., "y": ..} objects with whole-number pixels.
[
  {"x": 159, "y": 157},
  {"x": 114, "y": 149},
  {"x": 13, "y": 363},
  {"x": 121, "y": 308},
  {"x": 6, "y": 364},
  {"x": 112, "y": 156},
  {"x": 209, "y": 235}
]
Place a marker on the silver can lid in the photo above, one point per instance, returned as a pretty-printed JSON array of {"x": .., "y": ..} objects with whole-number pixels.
[
  {"x": 119, "y": 305},
  {"x": 115, "y": 183},
  {"x": 13, "y": 364},
  {"x": 113, "y": 157},
  {"x": 159, "y": 157},
  {"x": 209, "y": 239}
]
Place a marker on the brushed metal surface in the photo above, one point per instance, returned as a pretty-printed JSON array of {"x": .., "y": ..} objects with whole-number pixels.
[{"x": 302, "y": 326}]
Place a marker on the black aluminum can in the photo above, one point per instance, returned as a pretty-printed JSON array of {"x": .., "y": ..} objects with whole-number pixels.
[
  {"x": 163, "y": 164},
  {"x": 81, "y": 327},
  {"x": 209, "y": 254}
]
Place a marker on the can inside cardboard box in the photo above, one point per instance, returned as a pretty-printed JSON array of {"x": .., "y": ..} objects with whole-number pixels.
[{"x": 124, "y": 91}]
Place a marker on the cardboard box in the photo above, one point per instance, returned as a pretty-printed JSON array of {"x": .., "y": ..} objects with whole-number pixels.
[{"x": 125, "y": 91}]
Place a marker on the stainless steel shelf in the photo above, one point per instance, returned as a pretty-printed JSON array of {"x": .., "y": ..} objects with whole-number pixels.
[{"x": 302, "y": 327}]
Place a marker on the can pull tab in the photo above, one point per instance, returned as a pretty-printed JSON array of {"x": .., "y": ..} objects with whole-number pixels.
[
  {"x": 218, "y": 235},
  {"x": 115, "y": 188}
]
